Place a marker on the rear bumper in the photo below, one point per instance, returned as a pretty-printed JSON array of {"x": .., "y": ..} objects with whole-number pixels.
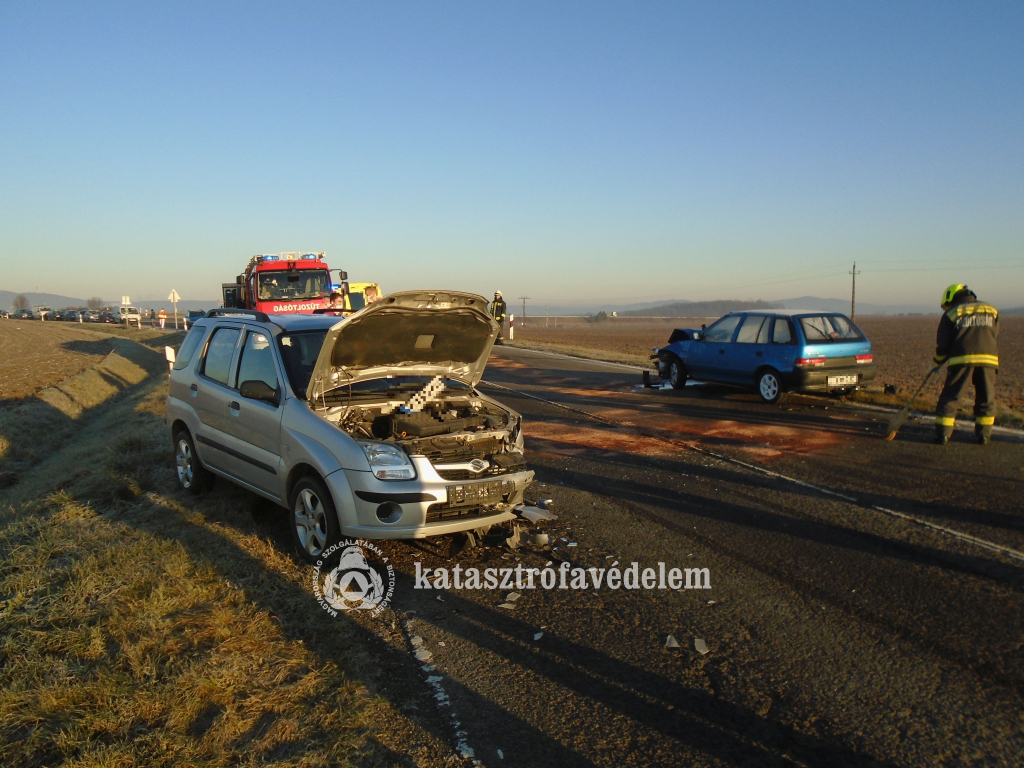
[{"x": 816, "y": 379}]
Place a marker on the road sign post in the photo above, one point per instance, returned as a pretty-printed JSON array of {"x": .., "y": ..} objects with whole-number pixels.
[{"x": 174, "y": 298}]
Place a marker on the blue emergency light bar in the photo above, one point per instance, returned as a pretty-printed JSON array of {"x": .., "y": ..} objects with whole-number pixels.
[
  {"x": 309, "y": 255},
  {"x": 270, "y": 258}
]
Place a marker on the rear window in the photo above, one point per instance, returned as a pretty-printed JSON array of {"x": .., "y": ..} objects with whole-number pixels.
[
  {"x": 827, "y": 329},
  {"x": 188, "y": 347}
]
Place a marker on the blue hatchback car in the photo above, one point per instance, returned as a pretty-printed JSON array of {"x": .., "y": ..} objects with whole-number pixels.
[{"x": 776, "y": 351}]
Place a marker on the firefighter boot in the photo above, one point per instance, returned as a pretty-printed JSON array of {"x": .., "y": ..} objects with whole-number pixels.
[
  {"x": 983, "y": 429},
  {"x": 942, "y": 434}
]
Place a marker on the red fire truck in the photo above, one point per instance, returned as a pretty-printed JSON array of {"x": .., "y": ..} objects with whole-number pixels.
[{"x": 284, "y": 282}]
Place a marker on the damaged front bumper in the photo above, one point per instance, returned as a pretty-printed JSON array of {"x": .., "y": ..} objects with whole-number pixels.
[{"x": 427, "y": 506}]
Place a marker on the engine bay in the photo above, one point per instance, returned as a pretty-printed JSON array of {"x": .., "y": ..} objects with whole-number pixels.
[{"x": 440, "y": 419}]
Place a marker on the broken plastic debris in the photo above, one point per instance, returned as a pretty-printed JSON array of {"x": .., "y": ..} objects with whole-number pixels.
[
  {"x": 509, "y": 606},
  {"x": 417, "y": 641},
  {"x": 434, "y": 679},
  {"x": 571, "y": 544},
  {"x": 441, "y": 643},
  {"x": 422, "y": 654},
  {"x": 501, "y": 755},
  {"x": 539, "y": 539},
  {"x": 700, "y": 645},
  {"x": 534, "y": 514},
  {"x": 511, "y": 597},
  {"x": 538, "y": 635},
  {"x": 671, "y": 642},
  {"x": 711, "y": 602}
]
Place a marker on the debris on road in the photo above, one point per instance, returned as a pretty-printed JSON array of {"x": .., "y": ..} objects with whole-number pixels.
[
  {"x": 700, "y": 645},
  {"x": 539, "y": 539},
  {"x": 508, "y": 606},
  {"x": 534, "y": 514},
  {"x": 671, "y": 642},
  {"x": 424, "y": 655},
  {"x": 511, "y": 597},
  {"x": 538, "y": 635}
]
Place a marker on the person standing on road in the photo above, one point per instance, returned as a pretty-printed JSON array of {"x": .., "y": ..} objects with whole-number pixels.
[
  {"x": 162, "y": 315},
  {"x": 966, "y": 342},
  {"x": 498, "y": 313}
]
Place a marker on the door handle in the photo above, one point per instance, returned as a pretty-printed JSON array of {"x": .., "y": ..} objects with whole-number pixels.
[
  {"x": 721, "y": 351},
  {"x": 234, "y": 406},
  {"x": 193, "y": 390}
]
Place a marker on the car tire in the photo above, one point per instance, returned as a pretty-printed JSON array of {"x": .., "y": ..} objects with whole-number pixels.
[
  {"x": 769, "y": 386},
  {"x": 314, "y": 518},
  {"x": 676, "y": 373},
  {"x": 192, "y": 476}
]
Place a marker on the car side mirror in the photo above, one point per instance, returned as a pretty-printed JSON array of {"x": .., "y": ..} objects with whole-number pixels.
[{"x": 254, "y": 389}]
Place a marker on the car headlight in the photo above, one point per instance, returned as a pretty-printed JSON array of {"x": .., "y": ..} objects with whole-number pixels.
[{"x": 388, "y": 462}]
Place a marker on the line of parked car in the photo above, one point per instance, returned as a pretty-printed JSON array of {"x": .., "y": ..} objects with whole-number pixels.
[{"x": 67, "y": 315}]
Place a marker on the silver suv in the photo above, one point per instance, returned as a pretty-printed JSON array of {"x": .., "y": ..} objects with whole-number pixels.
[{"x": 367, "y": 427}]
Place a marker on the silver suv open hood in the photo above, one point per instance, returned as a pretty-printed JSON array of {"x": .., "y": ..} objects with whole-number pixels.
[{"x": 412, "y": 333}]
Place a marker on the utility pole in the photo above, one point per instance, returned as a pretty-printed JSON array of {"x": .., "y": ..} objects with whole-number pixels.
[
  {"x": 547, "y": 316},
  {"x": 853, "y": 295},
  {"x": 524, "y": 298}
]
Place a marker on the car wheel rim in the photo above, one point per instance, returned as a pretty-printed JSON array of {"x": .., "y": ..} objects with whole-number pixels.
[
  {"x": 310, "y": 522},
  {"x": 769, "y": 386},
  {"x": 183, "y": 459},
  {"x": 673, "y": 374}
]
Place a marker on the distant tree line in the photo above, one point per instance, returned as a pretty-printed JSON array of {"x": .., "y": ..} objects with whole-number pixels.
[{"x": 700, "y": 308}]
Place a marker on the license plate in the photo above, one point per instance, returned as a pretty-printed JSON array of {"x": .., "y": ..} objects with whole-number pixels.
[
  {"x": 841, "y": 381},
  {"x": 474, "y": 493}
]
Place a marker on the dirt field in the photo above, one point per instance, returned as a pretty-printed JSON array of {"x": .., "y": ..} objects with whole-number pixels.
[{"x": 903, "y": 347}]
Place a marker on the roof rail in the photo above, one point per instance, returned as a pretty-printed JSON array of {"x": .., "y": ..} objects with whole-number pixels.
[{"x": 225, "y": 311}]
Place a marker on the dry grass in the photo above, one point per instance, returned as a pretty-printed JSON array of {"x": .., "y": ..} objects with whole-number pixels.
[{"x": 142, "y": 626}]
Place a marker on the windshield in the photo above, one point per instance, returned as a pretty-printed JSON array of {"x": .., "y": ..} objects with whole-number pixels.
[
  {"x": 299, "y": 352},
  {"x": 824, "y": 329},
  {"x": 295, "y": 284}
]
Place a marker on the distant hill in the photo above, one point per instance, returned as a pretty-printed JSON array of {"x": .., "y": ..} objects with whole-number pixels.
[
  {"x": 700, "y": 308},
  {"x": 1014, "y": 311},
  {"x": 863, "y": 308}
]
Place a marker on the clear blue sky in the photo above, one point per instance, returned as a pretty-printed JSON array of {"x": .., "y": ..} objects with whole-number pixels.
[{"x": 575, "y": 152}]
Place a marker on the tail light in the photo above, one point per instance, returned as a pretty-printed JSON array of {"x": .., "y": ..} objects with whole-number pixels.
[
  {"x": 810, "y": 361},
  {"x": 864, "y": 358}
]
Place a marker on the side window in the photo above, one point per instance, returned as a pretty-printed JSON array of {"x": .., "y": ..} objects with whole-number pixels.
[
  {"x": 762, "y": 335},
  {"x": 750, "y": 329},
  {"x": 188, "y": 347},
  {"x": 257, "y": 363},
  {"x": 217, "y": 363},
  {"x": 783, "y": 331},
  {"x": 721, "y": 332}
]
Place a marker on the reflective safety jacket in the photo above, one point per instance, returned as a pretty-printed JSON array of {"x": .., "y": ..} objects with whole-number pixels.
[
  {"x": 967, "y": 333},
  {"x": 498, "y": 310}
]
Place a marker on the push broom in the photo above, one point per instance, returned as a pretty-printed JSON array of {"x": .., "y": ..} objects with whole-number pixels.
[{"x": 901, "y": 418}]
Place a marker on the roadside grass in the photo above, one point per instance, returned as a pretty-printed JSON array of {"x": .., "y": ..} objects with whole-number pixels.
[{"x": 143, "y": 626}]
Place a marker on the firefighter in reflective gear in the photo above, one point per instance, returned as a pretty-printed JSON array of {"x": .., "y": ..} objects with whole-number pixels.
[
  {"x": 498, "y": 313},
  {"x": 966, "y": 342}
]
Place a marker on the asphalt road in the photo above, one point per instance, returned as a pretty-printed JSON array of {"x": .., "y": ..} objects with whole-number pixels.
[{"x": 837, "y": 634}]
